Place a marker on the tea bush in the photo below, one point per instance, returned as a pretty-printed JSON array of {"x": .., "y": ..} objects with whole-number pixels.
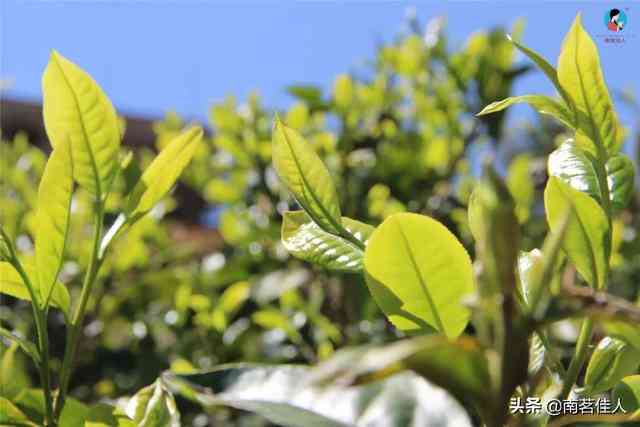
[{"x": 403, "y": 139}]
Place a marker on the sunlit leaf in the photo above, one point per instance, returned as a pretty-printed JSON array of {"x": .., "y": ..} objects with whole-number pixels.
[
  {"x": 281, "y": 395},
  {"x": 11, "y": 415},
  {"x": 306, "y": 177},
  {"x": 27, "y": 346},
  {"x": 580, "y": 74},
  {"x": 76, "y": 110},
  {"x": 612, "y": 360},
  {"x": 162, "y": 173},
  {"x": 542, "y": 104},
  {"x": 628, "y": 392},
  {"x": 459, "y": 366},
  {"x": 304, "y": 239},
  {"x": 418, "y": 273},
  {"x": 586, "y": 237},
  {"x": 53, "y": 212},
  {"x": 11, "y": 284},
  {"x": 153, "y": 406},
  {"x": 577, "y": 168}
]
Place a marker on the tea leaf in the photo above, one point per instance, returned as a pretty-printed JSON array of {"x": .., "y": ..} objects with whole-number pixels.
[
  {"x": 628, "y": 391},
  {"x": 162, "y": 173},
  {"x": 304, "y": 239},
  {"x": 579, "y": 73},
  {"x": 153, "y": 406},
  {"x": 54, "y": 205},
  {"x": 76, "y": 109},
  {"x": 11, "y": 284},
  {"x": 282, "y": 395},
  {"x": 577, "y": 168},
  {"x": 306, "y": 177},
  {"x": 542, "y": 104},
  {"x": 418, "y": 273},
  {"x": 587, "y": 232},
  {"x": 621, "y": 180},
  {"x": 612, "y": 360}
]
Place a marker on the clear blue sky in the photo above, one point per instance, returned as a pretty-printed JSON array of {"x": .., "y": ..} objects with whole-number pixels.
[{"x": 152, "y": 56}]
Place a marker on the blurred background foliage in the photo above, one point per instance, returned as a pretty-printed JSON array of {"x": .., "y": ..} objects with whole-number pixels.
[{"x": 199, "y": 284}]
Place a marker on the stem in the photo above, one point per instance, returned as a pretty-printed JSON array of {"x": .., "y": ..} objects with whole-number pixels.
[
  {"x": 76, "y": 323},
  {"x": 586, "y": 333},
  {"x": 43, "y": 342}
]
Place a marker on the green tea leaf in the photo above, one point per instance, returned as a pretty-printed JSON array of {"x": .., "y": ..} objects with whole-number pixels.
[
  {"x": 418, "y": 273},
  {"x": 542, "y": 104},
  {"x": 546, "y": 68},
  {"x": 580, "y": 74},
  {"x": 27, "y": 346},
  {"x": 162, "y": 173},
  {"x": 626, "y": 331},
  {"x": 621, "y": 180},
  {"x": 283, "y": 395},
  {"x": 459, "y": 366},
  {"x": 586, "y": 239},
  {"x": 577, "y": 167},
  {"x": 54, "y": 206},
  {"x": 306, "y": 177},
  {"x": 628, "y": 392},
  {"x": 612, "y": 360},
  {"x": 154, "y": 406},
  {"x": 11, "y": 284},
  {"x": 304, "y": 239},
  {"x": 76, "y": 109},
  {"x": 11, "y": 415}
]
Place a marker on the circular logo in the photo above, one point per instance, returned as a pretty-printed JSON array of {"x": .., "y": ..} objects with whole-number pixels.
[{"x": 615, "y": 20}]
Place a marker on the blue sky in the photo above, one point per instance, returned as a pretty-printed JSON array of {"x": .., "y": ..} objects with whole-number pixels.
[{"x": 153, "y": 56}]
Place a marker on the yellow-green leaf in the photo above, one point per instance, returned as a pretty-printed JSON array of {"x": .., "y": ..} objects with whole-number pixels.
[
  {"x": 162, "y": 173},
  {"x": 580, "y": 74},
  {"x": 54, "y": 204},
  {"x": 586, "y": 239},
  {"x": 306, "y": 177},
  {"x": 304, "y": 239},
  {"x": 76, "y": 109},
  {"x": 542, "y": 104},
  {"x": 11, "y": 284},
  {"x": 418, "y": 273}
]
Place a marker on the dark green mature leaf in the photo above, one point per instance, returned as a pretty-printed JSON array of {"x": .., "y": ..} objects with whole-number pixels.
[
  {"x": 458, "y": 366},
  {"x": 11, "y": 284},
  {"x": 580, "y": 74},
  {"x": 162, "y": 173},
  {"x": 281, "y": 394},
  {"x": 612, "y": 360},
  {"x": 306, "y": 177},
  {"x": 76, "y": 110},
  {"x": 418, "y": 273},
  {"x": 586, "y": 240},
  {"x": 154, "y": 406},
  {"x": 576, "y": 167},
  {"x": 54, "y": 210},
  {"x": 542, "y": 104},
  {"x": 304, "y": 239},
  {"x": 628, "y": 391}
]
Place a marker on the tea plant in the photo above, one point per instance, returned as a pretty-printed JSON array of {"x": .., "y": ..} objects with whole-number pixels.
[
  {"x": 85, "y": 134},
  {"x": 484, "y": 336}
]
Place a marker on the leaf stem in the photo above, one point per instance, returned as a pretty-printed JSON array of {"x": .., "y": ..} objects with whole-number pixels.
[
  {"x": 76, "y": 323},
  {"x": 43, "y": 341},
  {"x": 579, "y": 357}
]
